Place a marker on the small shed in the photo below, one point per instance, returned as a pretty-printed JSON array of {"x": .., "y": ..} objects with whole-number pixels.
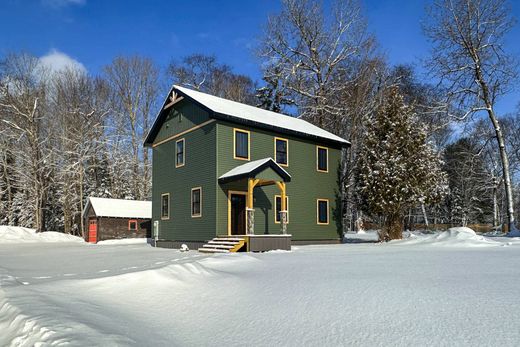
[{"x": 107, "y": 219}]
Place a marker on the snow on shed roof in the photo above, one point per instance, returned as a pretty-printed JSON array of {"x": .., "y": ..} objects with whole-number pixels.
[
  {"x": 252, "y": 168},
  {"x": 257, "y": 115},
  {"x": 119, "y": 208}
]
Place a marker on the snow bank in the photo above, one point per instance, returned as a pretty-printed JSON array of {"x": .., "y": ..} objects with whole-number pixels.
[
  {"x": 457, "y": 237},
  {"x": 9, "y": 234},
  {"x": 134, "y": 241}
]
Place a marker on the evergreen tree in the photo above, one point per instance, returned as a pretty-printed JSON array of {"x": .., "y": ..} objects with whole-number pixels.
[{"x": 397, "y": 169}]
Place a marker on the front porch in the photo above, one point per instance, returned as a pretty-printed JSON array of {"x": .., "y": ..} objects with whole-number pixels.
[{"x": 239, "y": 185}]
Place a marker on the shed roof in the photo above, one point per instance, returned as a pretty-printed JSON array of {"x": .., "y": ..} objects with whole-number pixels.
[
  {"x": 238, "y": 112},
  {"x": 119, "y": 208},
  {"x": 254, "y": 167}
]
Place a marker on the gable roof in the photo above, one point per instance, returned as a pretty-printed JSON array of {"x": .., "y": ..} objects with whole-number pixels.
[
  {"x": 119, "y": 208},
  {"x": 252, "y": 168},
  {"x": 241, "y": 113}
]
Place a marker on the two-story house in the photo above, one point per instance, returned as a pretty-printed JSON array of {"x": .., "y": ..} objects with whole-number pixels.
[{"x": 223, "y": 168}]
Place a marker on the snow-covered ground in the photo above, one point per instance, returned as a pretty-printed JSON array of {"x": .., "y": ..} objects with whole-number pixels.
[{"x": 425, "y": 290}]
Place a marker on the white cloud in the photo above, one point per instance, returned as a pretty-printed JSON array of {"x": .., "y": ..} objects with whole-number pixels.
[
  {"x": 57, "y": 61},
  {"x": 63, "y": 3}
]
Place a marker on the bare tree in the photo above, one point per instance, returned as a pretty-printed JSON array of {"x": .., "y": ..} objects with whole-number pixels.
[
  {"x": 79, "y": 106},
  {"x": 204, "y": 73},
  {"x": 23, "y": 105},
  {"x": 134, "y": 83},
  {"x": 469, "y": 57}
]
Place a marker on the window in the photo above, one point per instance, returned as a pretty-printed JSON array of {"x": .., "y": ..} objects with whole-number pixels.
[
  {"x": 322, "y": 159},
  {"x": 165, "y": 206},
  {"x": 278, "y": 208},
  {"x": 281, "y": 151},
  {"x": 323, "y": 211},
  {"x": 241, "y": 144},
  {"x": 179, "y": 153},
  {"x": 196, "y": 202},
  {"x": 132, "y": 225}
]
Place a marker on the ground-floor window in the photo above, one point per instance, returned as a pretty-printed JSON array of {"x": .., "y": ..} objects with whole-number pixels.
[
  {"x": 132, "y": 225},
  {"x": 278, "y": 205},
  {"x": 165, "y": 206},
  {"x": 322, "y": 212},
  {"x": 196, "y": 202}
]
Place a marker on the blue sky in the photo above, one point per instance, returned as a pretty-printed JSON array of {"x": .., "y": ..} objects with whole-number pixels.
[{"x": 93, "y": 32}]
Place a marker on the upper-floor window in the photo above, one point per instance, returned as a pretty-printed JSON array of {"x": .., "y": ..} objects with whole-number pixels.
[
  {"x": 322, "y": 211},
  {"x": 241, "y": 144},
  {"x": 322, "y": 159},
  {"x": 281, "y": 149},
  {"x": 196, "y": 202},
  {"x": 165, "y": 206},
  {"x": 179, "y": 153}
]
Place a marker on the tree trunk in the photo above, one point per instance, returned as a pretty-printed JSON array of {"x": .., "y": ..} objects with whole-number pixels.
[
  {"x": 393, "y": 228},
  {"x": 425, "y": 216}
]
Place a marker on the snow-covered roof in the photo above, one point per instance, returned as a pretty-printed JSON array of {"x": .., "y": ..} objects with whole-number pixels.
[
  {"x": 252, "y": 168},
  {"x": 119, "y": 208},
  {"x": 258, "y": 115},
  {"x": 238, "y": 112}
]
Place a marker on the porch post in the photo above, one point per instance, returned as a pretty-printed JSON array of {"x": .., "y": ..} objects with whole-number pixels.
[
  {"x": 283, "y": 210},
  {"x": 250, "y": 211}
]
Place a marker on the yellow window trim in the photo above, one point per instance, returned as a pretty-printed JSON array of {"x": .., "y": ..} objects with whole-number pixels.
[
  {"x": 286, "y": 147},
  {"x": 287, "y": 208},
  {"x": 318, "y": 211},
  {"x": 231, "y": 192},
  {"x": 167, "y": 217},
  {"x": 318, "y": 156},
  {"x": 183, "y": 153},
  {"x": 200, "y": 203},
  {"x": 235, "y": 130}
]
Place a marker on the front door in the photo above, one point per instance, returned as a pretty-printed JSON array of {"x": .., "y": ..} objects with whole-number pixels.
[
  {"x": 238, "y": 214},
  {"x": 92, "y": 231}
]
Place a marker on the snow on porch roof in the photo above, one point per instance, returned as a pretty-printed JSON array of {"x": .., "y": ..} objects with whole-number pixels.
[
  {"x": 257, "y": 115},
  {"x": 119, "y": 208},
  {"x": 252, "y": 168}
]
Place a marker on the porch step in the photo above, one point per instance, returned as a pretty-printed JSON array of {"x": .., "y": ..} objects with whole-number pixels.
[{"x": 223, "y": 245}]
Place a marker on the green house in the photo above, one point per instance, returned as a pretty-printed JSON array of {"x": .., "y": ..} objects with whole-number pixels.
[{"x": 252, "y": 177}]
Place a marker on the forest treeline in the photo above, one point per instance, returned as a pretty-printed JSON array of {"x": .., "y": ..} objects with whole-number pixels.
[{"x": 68, "y": 134}]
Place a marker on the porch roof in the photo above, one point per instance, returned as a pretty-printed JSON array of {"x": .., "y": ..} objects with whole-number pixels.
[{"x": 253, "y": 168}]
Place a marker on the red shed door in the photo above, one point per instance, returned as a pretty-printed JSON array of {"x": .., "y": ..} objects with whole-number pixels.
[{"x": 92, "y": 231}]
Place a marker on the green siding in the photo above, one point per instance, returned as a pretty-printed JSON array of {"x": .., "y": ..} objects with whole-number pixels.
[
  {"x": 306, "y": 186},
  {"x": 181, "y": 117},
  {"x": 198, "y": 171},
  {"x": 209, "y": 154}
]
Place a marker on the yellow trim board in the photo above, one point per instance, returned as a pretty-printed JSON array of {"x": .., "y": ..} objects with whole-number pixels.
[
  {"x": 318, "y": 211},
  {"x": 286, "y": 150},
  {"x": 318, "y": 156},
  {"x": 183, "y": 152},
  {"x": 235, "y": 130},
  {"x": 236, "y": 192},
  {"x": 167, "y": 217},
  {"x": 173, "y": 137},
  {"x": 200, "y": 203},
  {"x": 286, "y": 207}
]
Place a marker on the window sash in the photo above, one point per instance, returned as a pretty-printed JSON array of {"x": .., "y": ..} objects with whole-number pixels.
[
  {"x": 165, "y": 206},
  {"x": 241, "y": 144},
  {"x": 179, "y": 148},
  {"x": 281, "y": 151},
  {"x": 322, "y": 159},
  {"x": 196, "y": 195},
  {"x": 132, "y": 223},
  {"x": 323, "y": 211}
]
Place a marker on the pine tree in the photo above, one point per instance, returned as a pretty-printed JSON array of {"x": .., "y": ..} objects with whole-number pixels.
[{"x": 397, "y": 169}]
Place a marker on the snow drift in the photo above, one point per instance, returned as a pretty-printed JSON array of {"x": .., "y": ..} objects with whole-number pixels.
[
  {"x": 9, "y": 234},
  {"x": 456, "y": 237}
]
